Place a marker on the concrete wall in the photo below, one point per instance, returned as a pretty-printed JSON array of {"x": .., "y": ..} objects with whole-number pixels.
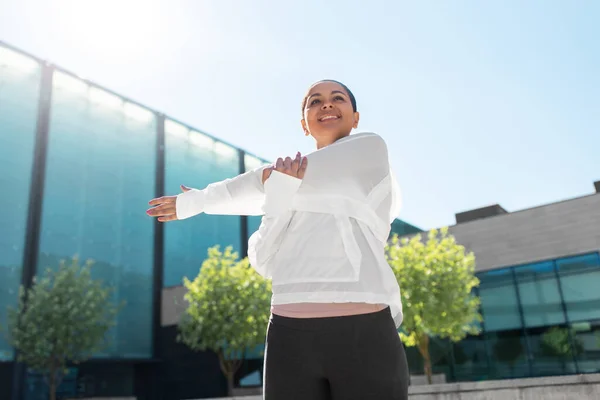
[
  {"x": 561, "y": 229},
  {"x": 575, "y": 387},
  {"x": 236, "y": 398},
  {"x": 106, "y": 398},
  {"x": 173, "y": 305}
]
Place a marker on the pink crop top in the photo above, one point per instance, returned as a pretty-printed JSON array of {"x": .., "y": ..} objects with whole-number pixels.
[{"x": 321, "y": 310}]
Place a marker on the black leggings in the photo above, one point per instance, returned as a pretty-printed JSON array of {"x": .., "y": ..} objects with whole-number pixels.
[{"x": 335, "y": 358}]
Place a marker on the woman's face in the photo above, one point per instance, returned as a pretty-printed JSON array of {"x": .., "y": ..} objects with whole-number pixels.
[{"x": 328, "y": 113}]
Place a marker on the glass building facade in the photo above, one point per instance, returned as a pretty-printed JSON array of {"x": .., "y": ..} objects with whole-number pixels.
[
  {"x": 402, "y": 228},
  {"x": 194, "y": 159},
  {"x": 100, "y": 168},
  {"x": 19, "y": 91},
  {"x": 540, "y": 319},
  {"x": 79, "y": 164}
]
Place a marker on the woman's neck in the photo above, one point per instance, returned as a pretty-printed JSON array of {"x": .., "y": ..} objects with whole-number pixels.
[{"x": 325, "y": 143}]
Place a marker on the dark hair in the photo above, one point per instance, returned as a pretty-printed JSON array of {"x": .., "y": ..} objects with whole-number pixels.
[{"x": 350, "y": 94}]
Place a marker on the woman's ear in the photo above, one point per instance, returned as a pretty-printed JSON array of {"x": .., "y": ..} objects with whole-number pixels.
[
  {"x": 356, "y": 119},
  {"x": 304, "y": 127}
]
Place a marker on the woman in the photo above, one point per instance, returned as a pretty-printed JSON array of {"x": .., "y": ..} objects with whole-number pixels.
[{"x": 326, "y": 218}]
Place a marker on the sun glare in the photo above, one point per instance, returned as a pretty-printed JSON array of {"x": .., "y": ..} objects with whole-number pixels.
[{"x": 109, "y": 28}]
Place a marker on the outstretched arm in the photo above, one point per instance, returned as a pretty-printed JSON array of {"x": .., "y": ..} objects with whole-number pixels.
[{"x": 242, "y": 195}]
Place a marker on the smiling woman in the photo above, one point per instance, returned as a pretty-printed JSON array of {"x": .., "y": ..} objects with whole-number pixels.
[
  {"x": 110, "y": 28},
  {"x": 335, "y": 304},
  {"x": 325, "y": 123}
]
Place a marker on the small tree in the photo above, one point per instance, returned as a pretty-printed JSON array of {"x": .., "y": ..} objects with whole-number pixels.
[
  {"x": 436, "y": 280},
  {"x": 561, "y": 343},
  {"x": 228, "y": 310},
  {"x": 62, "y": 318}
]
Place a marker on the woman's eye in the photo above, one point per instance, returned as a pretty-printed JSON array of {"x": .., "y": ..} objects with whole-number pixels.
[
  {"x": 315, "y": 101},
  {"x": 338, "y": 98}
]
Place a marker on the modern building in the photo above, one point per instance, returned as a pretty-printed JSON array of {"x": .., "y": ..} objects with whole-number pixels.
[
  {"x": 78, "y": 165},
  {"x": 539, "y": 270}
]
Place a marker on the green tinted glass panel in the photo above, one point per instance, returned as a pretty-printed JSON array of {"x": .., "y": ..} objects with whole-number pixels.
[
  {"x": 540, "y": 295},
  {"x": 580, "y": 281},
  {"x": 195, "y": 160},
  {"x": 19, "y": 91},
  {"x": 508, "y": 354},
  {"x": 99, "y": 178},
  {"x": 499, "y": 300}
]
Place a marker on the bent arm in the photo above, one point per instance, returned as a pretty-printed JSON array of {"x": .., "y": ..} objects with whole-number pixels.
[
  {"x": 365, "y": 157},
  {"x": 266, "y": 241},
  {"x": 242, "y": 195}
]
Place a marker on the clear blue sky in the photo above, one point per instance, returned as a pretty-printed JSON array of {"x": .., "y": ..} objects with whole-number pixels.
[{"x": 480, "y": 102}]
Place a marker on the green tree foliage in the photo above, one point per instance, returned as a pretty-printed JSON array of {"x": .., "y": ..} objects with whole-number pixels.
[
  {"x": 63, "y": 318},
  {"x": 561, "y": 342},
  {"x": 228, "y": 310},
  {"x": 436, "y": 278}
]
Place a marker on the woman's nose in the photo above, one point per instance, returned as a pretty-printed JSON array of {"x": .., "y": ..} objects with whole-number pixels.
[{"x": 326, "y": 105}]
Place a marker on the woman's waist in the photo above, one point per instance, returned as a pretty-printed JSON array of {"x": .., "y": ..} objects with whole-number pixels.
[
  {"x": 324, "y": 310},
  {"x": 338, "y": 322}
]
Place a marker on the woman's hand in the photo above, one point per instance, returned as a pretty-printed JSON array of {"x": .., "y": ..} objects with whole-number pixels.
[
  {"x": 295, "y": 167},
  {"x": 165, "y": 207}
]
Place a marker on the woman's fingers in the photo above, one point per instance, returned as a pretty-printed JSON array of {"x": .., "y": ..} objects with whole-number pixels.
[
  {"x": 165, "y": 207},
  {"x": 162, "y": 200},
  {"x": 302, "y": 168},
  {"x": 162, "y": 210},
  {"x": 293, "y": 167},
  {"x": 296, "y": 164},
  {"x": 168, "y": 218},
  {"x": 279, "y": 164},
  {"x": 267, "y": 173},
  {"x": 287, "y": 164}
]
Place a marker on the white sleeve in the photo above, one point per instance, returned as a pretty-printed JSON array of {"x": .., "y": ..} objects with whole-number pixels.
[
  {"x": 396, "y": 198},
  {"x": 366, "y": 157},
  {"x": 265, "y": 242},
  {"x": 363, "y": 157},
  {"x": 280, "y": 189},
  {"x": 242, "y": 195}
]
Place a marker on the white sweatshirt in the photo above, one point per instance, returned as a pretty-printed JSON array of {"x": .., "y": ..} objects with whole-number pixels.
[{"x": 322, "y": 238}]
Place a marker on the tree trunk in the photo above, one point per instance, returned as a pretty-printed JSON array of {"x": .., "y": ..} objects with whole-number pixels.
[
  {"x": 52, "y": 385},
  {"x": 424, "y": 350},
  {"x": 229, "y": 368},
  {"x": 230, "y": 377}
]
